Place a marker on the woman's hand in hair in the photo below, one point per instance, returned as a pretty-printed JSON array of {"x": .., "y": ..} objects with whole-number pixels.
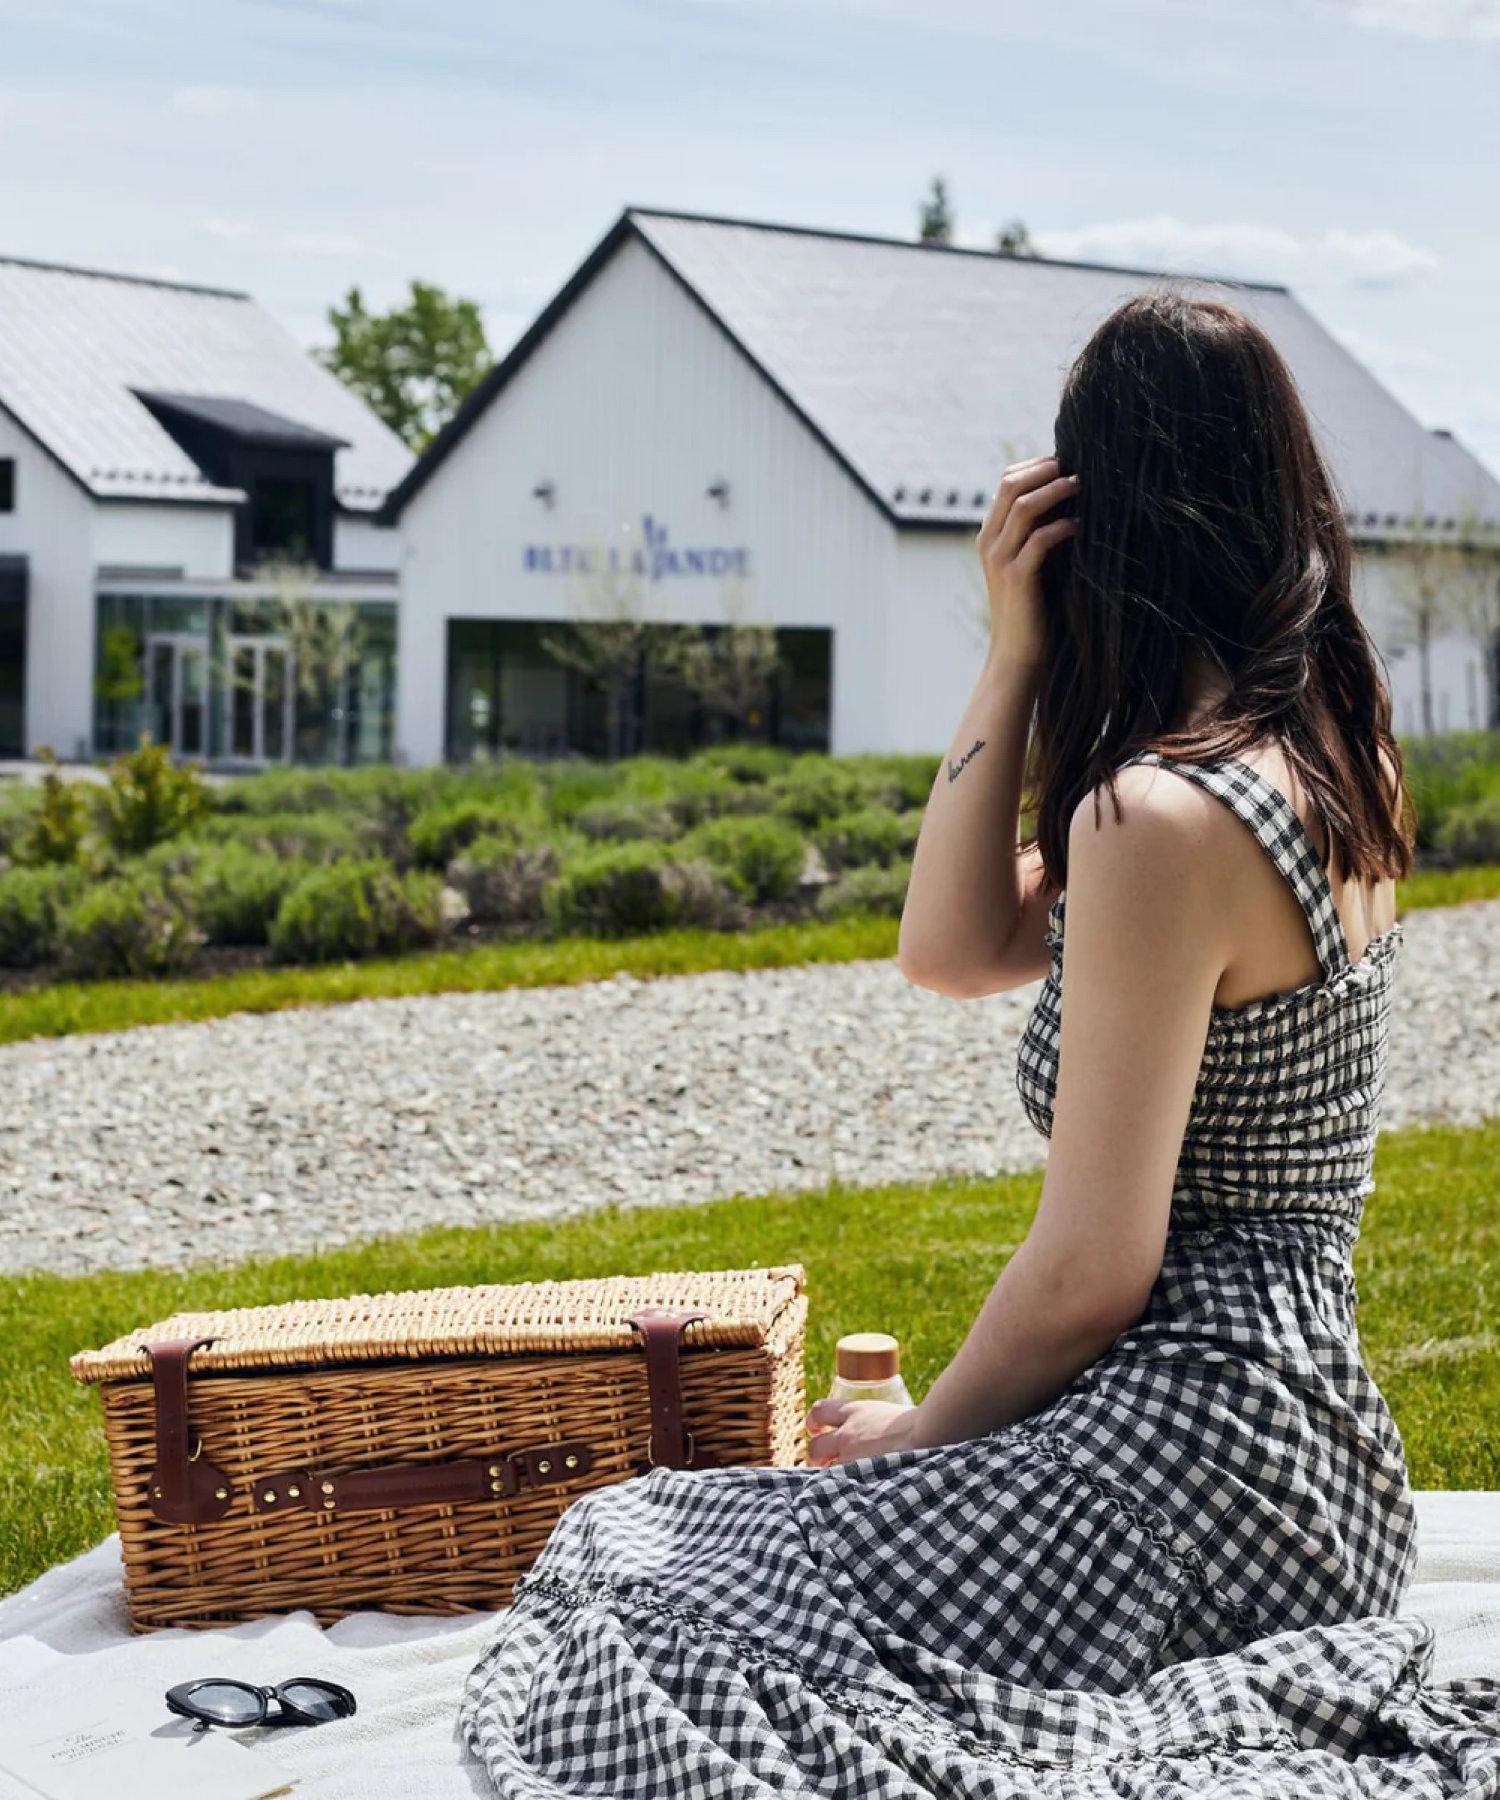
[{"x": 1012, "y": 546}]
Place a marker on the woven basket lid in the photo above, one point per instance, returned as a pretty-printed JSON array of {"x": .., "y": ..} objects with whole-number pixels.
[{"x": 541, "y": 1316}]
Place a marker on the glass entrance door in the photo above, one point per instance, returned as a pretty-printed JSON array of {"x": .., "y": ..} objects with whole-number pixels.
[
  {"x": 260, "y": 699},
  {"x": 177, "y": 667}
]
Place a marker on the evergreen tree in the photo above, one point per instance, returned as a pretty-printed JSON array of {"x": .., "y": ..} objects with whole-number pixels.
[{"x": 937, "y": 220}]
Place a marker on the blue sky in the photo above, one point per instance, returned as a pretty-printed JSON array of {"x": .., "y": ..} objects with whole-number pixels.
[{"x": 1349, "y": 148}]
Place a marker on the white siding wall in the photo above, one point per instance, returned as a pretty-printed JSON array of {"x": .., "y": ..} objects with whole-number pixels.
[
  {"x": 635, "y": 405},
  {"x": 359, "y": 545},
  {"x": 939, "y": 620},
  {"x": 52, "y": 526},
  {"x": 939, "y": 629},
  {"x": 1456, "y": 661},
  {"x": 199, "y": 540}
]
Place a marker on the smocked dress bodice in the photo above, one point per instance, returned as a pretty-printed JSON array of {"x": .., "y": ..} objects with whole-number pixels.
[{"x": 1284, "y": 1115}]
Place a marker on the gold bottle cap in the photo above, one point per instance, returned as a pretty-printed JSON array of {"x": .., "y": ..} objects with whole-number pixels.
[{"x": 867, "y": 1356}]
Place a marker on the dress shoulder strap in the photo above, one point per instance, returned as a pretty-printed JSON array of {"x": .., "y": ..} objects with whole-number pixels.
[{"x": 1278, "y": 825}]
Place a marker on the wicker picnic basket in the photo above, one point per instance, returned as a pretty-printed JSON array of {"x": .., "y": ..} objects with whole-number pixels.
[{"x": 411, "y": 1452}]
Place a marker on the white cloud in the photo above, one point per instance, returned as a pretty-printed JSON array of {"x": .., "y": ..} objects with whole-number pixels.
[
  {"x": 1243, "y": 251},
  {"x": 211, "y": 101},
  {"x": 1426, "y": 18},
  {"x": 226, "y": 228},
  {"x": 317, "y": 243}
]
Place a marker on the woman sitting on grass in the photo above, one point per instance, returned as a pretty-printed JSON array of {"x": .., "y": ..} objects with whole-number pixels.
[{"x": 1157, "y": 1474}]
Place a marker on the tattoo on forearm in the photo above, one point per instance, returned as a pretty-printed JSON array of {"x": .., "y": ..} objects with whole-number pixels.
[{"x": 957, "y": 769}]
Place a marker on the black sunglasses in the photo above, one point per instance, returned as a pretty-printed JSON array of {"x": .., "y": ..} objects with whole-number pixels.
[{"x": 239, "y": 1704}]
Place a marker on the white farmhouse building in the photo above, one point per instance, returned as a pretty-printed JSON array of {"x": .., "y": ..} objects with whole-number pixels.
[
  {"x": 717, "y": 418},
  {"x": 159, "y": 443}
]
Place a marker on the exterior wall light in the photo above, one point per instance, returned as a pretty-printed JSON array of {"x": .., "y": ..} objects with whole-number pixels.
[
  {"x": 546, "y": 492},
  {"x": 720, "y": 492}
]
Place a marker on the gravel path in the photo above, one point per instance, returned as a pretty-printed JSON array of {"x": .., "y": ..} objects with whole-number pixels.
[{"x": 285, "y": 1131}]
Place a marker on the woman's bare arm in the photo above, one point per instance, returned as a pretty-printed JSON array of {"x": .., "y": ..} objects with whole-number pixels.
[
  {"x": 974, "y": 915},
  {"x": 1146, "y": 946},
  {"x": 975, "y": 906}
]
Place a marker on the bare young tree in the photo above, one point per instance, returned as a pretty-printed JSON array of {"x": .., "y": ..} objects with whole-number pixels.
[
  {"x": 1475, "y": 601},
  {"x": 733, "y": 672},
  {"x": 605, "y": 637},
  {"x": 325, "y": 638},
  {"x": 1429, "y": 581}
]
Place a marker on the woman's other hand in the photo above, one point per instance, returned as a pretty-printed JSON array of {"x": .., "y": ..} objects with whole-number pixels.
[
  {"x": 1012, "y": 547},
  {"x": 845, "y": 1429}
]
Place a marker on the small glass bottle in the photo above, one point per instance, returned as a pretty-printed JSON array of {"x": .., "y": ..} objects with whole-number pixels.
[{"x": 867, "y": 1366}]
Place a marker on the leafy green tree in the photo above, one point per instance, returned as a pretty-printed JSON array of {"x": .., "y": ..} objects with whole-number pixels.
[
  {"x": 937, "y": 219},
  {"x": 119, "y": 680},
  {"x": 1014, "y": 240},
  {"x": 413, "y": 365}
]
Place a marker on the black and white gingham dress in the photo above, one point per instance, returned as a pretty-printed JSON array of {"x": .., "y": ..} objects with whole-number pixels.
[{"x": 1180, "y": 1577}]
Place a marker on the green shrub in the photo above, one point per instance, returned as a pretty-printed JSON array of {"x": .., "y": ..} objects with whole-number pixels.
[
  {"x": 354, "y": 909},
  {"x": 56, "y": 827},
  {"x": 132, "y": 926},
  {"x": 299, "y": 837},
  {"x": 621, "y": 889},
  {"x": 766, "y": 853},
  {"x": 867, "y": 890},
  {"x": 502, "y": 881},
  {"x": 1471, "y": 833},
  {"x": 854, "y": 840},
  {"x": 817, "y": 788},
  {"x": 745, "y": 764},
  {"x": 438, "y": 833},
  {"x": 571, "y": 784},
  {"x": 150, "y": 799},
  {"x": 905, "y": 780},
  {"x": 1446, "y": 772},
  {"x": 237, "y": 892},
  {"x": 32, "y": 902},
  {"x": 626, "y": 821}
]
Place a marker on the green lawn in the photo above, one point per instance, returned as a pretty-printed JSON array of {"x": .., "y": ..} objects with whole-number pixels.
[
  {"x": 914, "y": 1260},
  {"x": 68, "y": 1008}
]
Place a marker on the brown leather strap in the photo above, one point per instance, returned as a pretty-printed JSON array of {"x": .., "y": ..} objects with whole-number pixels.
[
  {"x": 184, "y": 1488},
  {"x": 422, "y": 1484},
  {"x": 662, "y": 1330}
]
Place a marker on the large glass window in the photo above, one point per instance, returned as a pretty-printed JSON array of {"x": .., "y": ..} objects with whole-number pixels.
[
  {"x": 13, "y": 576},
  {"x": 534, "y": 688},
  {"x": 7, "y": 484},
  {"x": 244, "y": 683}
]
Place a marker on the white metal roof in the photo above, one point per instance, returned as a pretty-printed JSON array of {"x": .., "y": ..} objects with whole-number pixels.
[
  {"x": 76, "y": 346},
  {"x": 930, "y": 368}
]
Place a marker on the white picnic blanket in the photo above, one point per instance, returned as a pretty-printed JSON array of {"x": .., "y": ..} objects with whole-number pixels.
[{"x": 67, "y": 1632}]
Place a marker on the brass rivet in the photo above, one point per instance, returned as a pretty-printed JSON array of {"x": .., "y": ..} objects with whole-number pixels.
[
  {"x": 221, "y": 1493},
  {"x": 497, "y": 1487},
  {"x": 156, "y": 1493},
  {"x": 545, "y": 1466},
  {"x": 328, "y": 1502},
  {"x": 494, "y": 1468},
  {"x": 269, "y": 1496},
  {"x": 327, "y": 1487},
  {"x": 294, "y": 1493},
  {"x": 570, "y": 1462}
]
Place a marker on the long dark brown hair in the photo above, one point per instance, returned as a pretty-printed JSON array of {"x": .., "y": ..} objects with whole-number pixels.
[{"x": 1207, "y": 520}]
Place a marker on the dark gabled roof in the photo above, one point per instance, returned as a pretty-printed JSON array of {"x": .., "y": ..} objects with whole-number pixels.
[
  {"x": 925, "y": 368},
  {"x": 78, "y": 347},
  {"x": 245, "y": 423}
]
